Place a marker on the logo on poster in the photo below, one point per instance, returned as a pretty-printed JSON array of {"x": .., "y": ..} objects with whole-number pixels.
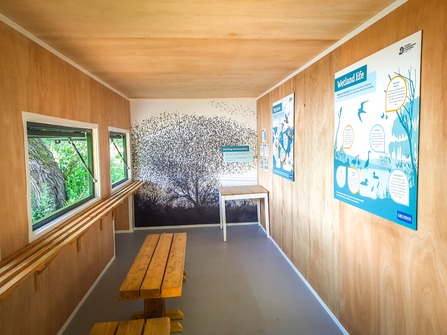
[
  {"x": 404, "y": 217},
  {"x": 406, "y": 48}
]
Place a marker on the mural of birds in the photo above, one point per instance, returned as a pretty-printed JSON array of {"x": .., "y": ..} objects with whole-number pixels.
[
  {"x": 365, "y": 182},
  {"x": 374, "y": 176},
  {"x": 361, "y": 110}
]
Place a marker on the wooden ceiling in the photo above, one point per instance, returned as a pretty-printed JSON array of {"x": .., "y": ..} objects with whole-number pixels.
[{"x": 185, "y": 49}]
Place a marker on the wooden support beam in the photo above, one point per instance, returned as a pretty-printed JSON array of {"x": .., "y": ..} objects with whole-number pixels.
[
  {"x": 154, "y": 308},
  {"x": 40, "y": 270},
  {"x": 78, "y": 244}
]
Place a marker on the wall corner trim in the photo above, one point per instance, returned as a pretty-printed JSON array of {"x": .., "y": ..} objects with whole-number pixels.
[
  {"x": 353, "y": 33},
  {"x": 37, "y": 40},
  {"x": 61, "y": 331},
  {"x": 333, "y": 317}
]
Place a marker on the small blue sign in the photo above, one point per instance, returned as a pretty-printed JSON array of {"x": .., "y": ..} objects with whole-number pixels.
[
  {"x": 277, "y": 108},
  {"x": 404, "y": 217}
]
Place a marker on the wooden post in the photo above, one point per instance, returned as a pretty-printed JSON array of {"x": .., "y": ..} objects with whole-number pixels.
[{"x": 154, "y": 308}]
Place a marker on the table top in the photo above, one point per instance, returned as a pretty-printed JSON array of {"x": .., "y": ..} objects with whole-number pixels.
[
  {"x": 242, "y": 190},
  {"x": 157, "y": 272}
]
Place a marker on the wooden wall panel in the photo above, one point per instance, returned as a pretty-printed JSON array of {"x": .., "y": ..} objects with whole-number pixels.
[
  {"x": 301, "y": 194},
  {"x": 405, "y": 275},
  {"x": 122, "y": 216},
  {"x": 376, "y": 276},
  {"x": 323, "y": 228},
  {"x": 302, "y": 215},
  {"x": 34, "y": 80}
]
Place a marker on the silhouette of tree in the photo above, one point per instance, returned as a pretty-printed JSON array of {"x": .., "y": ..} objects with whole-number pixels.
[{"x": 182, "y": 155}]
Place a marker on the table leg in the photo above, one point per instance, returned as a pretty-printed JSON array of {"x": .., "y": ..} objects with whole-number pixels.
[
  {"x": 259, "y": 210},
  {"x": 220, "y": 210},
  {"x": 154, "y": 308},
  {"x": 266, "y": 211},
  {"x": 224, "y": 219}
]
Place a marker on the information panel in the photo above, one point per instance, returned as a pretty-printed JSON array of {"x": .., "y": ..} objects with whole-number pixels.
[
  {"x": 283, "y": 133},
  {"x": 237, "y": 154},
  {"x": 377, "y": 132}
]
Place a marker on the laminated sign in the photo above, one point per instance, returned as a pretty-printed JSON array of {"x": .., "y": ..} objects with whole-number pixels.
[{"x": 377, "y": 132}]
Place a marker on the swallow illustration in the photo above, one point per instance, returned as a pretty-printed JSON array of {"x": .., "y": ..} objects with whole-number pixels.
[{"x": 361, "y": 110}]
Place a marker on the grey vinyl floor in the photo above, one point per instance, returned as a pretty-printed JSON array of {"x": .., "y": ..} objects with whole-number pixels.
[{"x": 242, "y": 286}]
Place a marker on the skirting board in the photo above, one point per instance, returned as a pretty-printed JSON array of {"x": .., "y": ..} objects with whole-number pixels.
[
  {"x": 85, "y": 297},
  {"x": 342, "y": 329},
  {"x": 123, "y": 231},
  {"x": 196, "y": 226}
]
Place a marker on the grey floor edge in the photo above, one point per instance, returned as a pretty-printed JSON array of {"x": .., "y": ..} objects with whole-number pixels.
[{"x": 242, "y": 286}]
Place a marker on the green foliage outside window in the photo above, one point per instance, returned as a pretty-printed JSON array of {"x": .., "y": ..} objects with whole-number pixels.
[
  {"x": 76, "y": 176},
  {"x": 118, "y": 169},
  {"x": 59, "y": 180}
]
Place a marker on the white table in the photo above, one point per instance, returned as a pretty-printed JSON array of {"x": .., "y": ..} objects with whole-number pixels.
[{"x": 243, "y": 192}]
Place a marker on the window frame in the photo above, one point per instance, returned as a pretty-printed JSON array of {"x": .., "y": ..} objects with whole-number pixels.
[
  {"x": 122, "y": 182},
  {"x": 69, "y": 212}
]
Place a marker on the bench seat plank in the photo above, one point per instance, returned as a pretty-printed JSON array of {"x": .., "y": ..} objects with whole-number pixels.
[
  {"x": 130, "y": 290},
  {"x": 105, "y": 328},
  {"x": 159, "y": 326},
  {"x": 133, "y": 327},
  {"x": 151, "y": 286},
  {"x": 173, "y": 280}
]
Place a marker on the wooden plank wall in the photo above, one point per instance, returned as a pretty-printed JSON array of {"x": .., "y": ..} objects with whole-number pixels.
[
  {"x": 34, "y": 80},
  {"x": 122, "y": 222},
  {"x": 376, "y": 276}
]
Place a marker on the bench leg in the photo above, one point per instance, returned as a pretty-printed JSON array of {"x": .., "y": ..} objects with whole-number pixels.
[
  {"x": 154, "y": 308},
  {"x": 176, "y": 327},
  {"x": 174, "y": 314}
]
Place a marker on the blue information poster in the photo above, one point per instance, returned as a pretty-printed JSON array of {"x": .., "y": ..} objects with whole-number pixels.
[
  {"x": 377, "y": 132},
  {"x": 283, "y": 133}
]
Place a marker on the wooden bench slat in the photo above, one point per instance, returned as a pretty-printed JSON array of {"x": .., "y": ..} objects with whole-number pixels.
[
  {"x": 151, "y": 285},
  {"x": 130, "y": 289},
  {"x": 105, "y": 328},
  {"x": 13, "y": 260},
  {"x": 158, "y": 326},
  {"x": 173, "y": 280},
  {"x": 68, "y": 228},
  {"x": 133, "y": 327},
  {"x": 25, "y": 266}
]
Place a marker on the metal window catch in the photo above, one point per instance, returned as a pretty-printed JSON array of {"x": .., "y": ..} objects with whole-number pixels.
[
  {"x": 119, "y": 153},
  {"x": 82, "y": 160}
]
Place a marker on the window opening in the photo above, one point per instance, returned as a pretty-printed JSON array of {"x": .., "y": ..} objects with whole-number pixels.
[
  {"x": 61, "y": 165},
  {"x": 118, "y": 158}
]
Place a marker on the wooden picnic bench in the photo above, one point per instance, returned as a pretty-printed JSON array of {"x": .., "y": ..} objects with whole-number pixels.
[
  {"x": 157, "y": 273},
  {"x": 159, "y": 326}
]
